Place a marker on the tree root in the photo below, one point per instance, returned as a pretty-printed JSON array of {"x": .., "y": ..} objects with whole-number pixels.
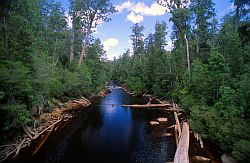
[{"x": 30, "y": 135}]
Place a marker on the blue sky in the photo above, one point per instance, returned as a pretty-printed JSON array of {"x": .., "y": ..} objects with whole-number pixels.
[{"x": 115, "y": 35}]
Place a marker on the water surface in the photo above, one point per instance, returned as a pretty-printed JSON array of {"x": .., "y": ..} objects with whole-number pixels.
[{"x": 110, "y": 133}]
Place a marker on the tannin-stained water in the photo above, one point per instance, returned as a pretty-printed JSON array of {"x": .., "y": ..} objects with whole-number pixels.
[{"x": 110, "y": 133}]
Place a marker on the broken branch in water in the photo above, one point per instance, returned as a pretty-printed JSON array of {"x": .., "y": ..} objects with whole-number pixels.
[{"x": 56, "y": 116}]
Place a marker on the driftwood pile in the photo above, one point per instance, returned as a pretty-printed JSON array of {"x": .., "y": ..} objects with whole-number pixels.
[
  {"x": 181, "y": 154},
  {"x": 181, "y": 133},
  {"x": 59, "y": 114},
  {"x": 104, "y": 93}
]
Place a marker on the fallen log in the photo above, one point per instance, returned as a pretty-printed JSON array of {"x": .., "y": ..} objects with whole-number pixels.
[
  {"x": 42, "y": 141},
  {"x": 19, "y": 147},
  {"x": 154, "y": 123},
  {"x": 52, "y": 120},
  {"x": 162, "y": 120},
  {"x": 170, "y": 127},
  {"x": 76, "y": 104},
  {"x": 177, "y": 123},
  {"x": 181, "y": 154},
  {"x": 24, "y": 141},
  {"x": 148, "y": 106},
  {"x": 26, "y": 131},
  {"x": 161, "y": 134},
  {"x": 198, "y": 138},
  {"x": 200, "y": 159},
  {"x": 149, "y": 102},
  {"x": 167, "y": 109}
]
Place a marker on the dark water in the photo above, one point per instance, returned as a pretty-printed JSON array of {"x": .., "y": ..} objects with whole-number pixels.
[{"x": 106, "y": 133}]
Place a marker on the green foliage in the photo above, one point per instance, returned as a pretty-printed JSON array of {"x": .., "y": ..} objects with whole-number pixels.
[
  {"x": 227, "y": 103},
  {"x": 143, "y": 71},
  {"x": 137, "y": 39},
  {"x": 34, "y": 61},
  {"x": 200, "y": 115},
  {"x": 15, "y": 115},
  {"x": 135, "y": 84},
  {"x": 203, "y": 12},
  {"x": 2, "y": 94},
  {"x": 35, "y": 67},
  {"x": 241, "y": 150},
  {"x": 15, "y": 80},
  {"x": 230, "y": 46},
  {"x": 201, "y": 82},
  {"x": 187, "y": 102},
  {"x": 244, "y": 94},
  {"x": 46, "y": 81},
  {"x": 217, "y": 96}
]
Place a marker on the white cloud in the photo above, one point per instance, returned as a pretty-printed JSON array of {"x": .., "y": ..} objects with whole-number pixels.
[
  {"x": 135, "y": 18},
  {"x": 169, "y": 46},
  {"x": 154, "y": 10},
  {"x": 157, "y": 9},
  {"x": 111, "y": 42},
  {"x": 140, "y": 9},
  {"x": 123, "y": 6}
]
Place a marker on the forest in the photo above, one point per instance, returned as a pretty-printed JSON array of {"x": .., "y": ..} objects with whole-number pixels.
[{"x": 207, "y": 72}]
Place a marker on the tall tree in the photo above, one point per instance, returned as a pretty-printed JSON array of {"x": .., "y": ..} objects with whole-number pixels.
[
  {"x": 181, "y": 27},
  {"x": 180, "y": 18},
  {"x": 188, "y": 58},
  {"x": 137, "y": 38},
  {"x": 4, "y": 13},
  {"x": 203, "y": 11},
  {"x": 91, "y": 13},
  {"x": 55, "y": 24},
  {"x": 240, "y": 11},
  {"x": 72, "y": 39}
]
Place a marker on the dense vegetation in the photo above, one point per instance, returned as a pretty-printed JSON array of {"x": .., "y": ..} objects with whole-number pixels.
[
  {"x": 211, "y": 82},
  {"x": 35, "y": 69},
  {"x": 207, "y": 71}
]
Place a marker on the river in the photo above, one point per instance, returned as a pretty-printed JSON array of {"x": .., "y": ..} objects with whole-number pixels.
[{"x": 109, "y": 133}]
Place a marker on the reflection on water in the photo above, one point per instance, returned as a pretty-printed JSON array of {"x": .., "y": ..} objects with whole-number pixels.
[{"x": 110, "y": 133}]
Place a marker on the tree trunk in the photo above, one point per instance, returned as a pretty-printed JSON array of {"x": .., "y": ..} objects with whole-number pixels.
[
  {"x": 84, "y": 46},
  {"x": 197, "y": 39},
  {"x": 171, "y": 78},
  {"x": 71, "y": 55},
  {"x": 237, "y": 17},
  {"x": 197, "y": 44},
  {"x": 92, "y": 17},
  {"x": 188, "y": 58},
  {"x": 55, "y": 59}
]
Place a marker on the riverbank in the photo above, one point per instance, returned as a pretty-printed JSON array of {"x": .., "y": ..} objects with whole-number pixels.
[
  {"x": 156, "y": 133},
  {"x": 106, "y": 133},
  {"x": 45, "y": 124},
  {"x": 199, "y": 150}
]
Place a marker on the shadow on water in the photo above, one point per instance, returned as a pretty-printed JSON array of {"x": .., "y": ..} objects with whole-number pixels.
[{"x": 109, "y": 133}]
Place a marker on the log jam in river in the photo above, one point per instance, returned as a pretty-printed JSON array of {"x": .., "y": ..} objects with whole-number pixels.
[{"x": 105, "y": 133}]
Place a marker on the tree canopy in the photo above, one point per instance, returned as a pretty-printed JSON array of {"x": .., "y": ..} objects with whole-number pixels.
[{"x": 207, "y": 71}]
